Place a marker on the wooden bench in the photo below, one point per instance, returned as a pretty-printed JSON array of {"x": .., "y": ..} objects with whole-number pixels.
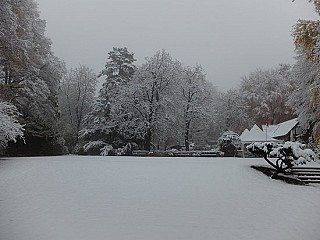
[
  {"x": 182, "y": 154},
  {"x": 209, "y": 154},
  {"x": 196, "y": 154},
  {"x": 140, "y": 153},
  {"x": 307, "y": 174}
]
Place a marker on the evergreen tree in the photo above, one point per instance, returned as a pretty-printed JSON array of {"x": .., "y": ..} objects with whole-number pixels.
[
  {"x": 105, "y": 123},
  {"x": 118, "y": 72}
]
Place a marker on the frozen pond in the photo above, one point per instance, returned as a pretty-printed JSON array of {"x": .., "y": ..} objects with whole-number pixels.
[{"x": 127, "y": 198}]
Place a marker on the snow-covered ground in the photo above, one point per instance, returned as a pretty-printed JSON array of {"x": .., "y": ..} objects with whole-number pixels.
[{"x": 126, "y": 198}]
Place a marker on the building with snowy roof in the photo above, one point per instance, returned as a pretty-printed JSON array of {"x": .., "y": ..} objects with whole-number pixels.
[
  {"x": 244, "y": 133},
  {"x": 256, "y": 135},
  {"x": 285, "y": 131}
]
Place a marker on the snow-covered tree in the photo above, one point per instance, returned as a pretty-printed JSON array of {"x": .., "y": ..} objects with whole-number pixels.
[
  {"x": 306, "y": 34},
  {"x": 149, "y": 92},
  {"x": 30, "y": 75},
  {"x": 304, "y": 73},
  {"x": 152, "y": 108},
  {"x": 10, "y": 128},
  {"x": 109, "y": 120},
  {"x": 288, "y": 154},
  {"x": 169, "y": 103},
  {"x": 118, "y": 71},
  {"x": 194, "y": 99},
  {"x": 233, "y": 112},
  {"x": 76, "y": 98},
  {"x": 267, "y": 92}
]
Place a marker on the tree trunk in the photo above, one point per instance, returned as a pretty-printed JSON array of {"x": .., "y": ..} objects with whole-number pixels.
[
  {"x": 147, "y": 139},
  {"x": 268, "y": 161},
  {"x": 187, "y": 129},
  {"x": 186, "y": 136},
  {"x": 6, "y": 76}
]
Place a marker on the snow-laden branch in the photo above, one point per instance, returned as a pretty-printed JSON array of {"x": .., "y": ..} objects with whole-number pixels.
[{"x": 10, "y": 128}]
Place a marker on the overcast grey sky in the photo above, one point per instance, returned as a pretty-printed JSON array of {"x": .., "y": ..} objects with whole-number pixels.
[{"x": 228, "y": 38}]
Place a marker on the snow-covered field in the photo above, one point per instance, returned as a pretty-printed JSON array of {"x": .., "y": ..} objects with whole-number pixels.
[{"x": 126, "y": 198}]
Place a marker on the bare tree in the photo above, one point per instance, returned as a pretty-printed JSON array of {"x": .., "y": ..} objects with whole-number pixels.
[
  {"x": 150, "y": 88},
  {"x": 194, "y": 98},
  {"x": 76, "y": 98}
]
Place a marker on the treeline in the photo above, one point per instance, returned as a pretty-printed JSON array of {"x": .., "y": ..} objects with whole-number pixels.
[
  {"x": 163, "y": 103},
  {"x": 154, "y": 106},
  {"x": 46, "y": 109}
]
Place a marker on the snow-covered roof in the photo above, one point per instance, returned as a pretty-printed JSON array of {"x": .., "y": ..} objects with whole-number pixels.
[
  {"x": 244, "y": 133},
  {"x": 281, "y": 129},
  {"x": 257, "y": 135}
]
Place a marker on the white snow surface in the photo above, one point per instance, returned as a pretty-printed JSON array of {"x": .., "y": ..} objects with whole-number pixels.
[{"x": 127, "y": 198}]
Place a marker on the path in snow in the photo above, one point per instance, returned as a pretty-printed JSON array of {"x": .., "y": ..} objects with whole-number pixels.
[{"x": 126, "y": 198}]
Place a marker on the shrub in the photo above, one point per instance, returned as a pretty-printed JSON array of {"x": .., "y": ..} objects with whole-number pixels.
[{"x": 288, "y": 154}]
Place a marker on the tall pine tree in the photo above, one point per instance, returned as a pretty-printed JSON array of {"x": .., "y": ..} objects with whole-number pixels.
[{"x": 104, "y": 123}]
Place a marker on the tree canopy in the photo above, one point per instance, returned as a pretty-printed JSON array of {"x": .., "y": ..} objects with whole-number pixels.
[{"x": 29, "y": 76}]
